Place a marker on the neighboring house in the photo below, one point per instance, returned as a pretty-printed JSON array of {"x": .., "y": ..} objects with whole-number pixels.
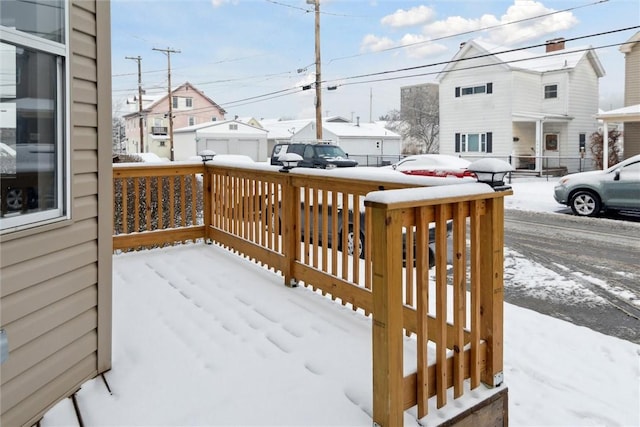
[
  {"x": 368, "y": 143},
  {"x": 56, "y": 243},
  {"x": 224, "y": 137},
  {"x": 252, "y": 121},
  {"x": 537, "y": 109},
  {"x": 189, "y": 106},
  {"x": 281, "y": 131}
]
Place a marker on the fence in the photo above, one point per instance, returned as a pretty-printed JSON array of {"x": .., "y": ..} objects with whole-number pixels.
[{"x": 317, "y": 229}]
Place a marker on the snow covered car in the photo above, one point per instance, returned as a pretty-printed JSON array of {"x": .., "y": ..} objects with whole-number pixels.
[
  {"x": 588, "y": 193},
  {"x": 438, "y": 165}
]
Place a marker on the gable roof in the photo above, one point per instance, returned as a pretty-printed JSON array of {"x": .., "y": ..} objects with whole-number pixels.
[
  {"x": 630, "y": 44},
  {"x": 525, "y": 60},
  {"x": 164, "y": 97}
]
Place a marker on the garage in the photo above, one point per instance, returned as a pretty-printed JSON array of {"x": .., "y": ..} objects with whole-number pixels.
[{"x": 225, "y": 137}]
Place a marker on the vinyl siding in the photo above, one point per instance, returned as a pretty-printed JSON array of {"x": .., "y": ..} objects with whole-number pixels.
[
  {"x": 631, "y": 139},
  {"x": 480, "y": 112},
  {"x": 632, "y": 76},
  {"x": 56, "y": 279}
]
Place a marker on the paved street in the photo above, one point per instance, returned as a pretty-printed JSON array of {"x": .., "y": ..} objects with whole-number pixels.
[{"x": 599, "y": 255}]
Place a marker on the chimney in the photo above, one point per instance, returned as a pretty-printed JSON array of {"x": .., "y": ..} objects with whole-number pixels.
[{"x": 555, "y": 44}]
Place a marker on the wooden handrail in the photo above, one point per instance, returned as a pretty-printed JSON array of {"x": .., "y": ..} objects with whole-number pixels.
[{"x": 304, "y": 223}]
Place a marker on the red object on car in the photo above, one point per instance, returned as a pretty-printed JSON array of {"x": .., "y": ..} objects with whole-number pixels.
[{"x": 437, "y": 165}]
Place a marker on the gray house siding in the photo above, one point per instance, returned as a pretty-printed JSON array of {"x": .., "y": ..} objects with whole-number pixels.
[
  {"x": 56, "y": 279},
  {"x": 632, "y": 97}
]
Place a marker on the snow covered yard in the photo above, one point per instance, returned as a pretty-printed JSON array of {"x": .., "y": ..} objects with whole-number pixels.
[{"x": 204, "y": 337}]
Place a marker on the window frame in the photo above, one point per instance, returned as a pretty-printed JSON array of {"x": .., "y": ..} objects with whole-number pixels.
[
  {"x": 62, "y": 54},
  {"x": 476, "y": 89},
  {"x": 553, "y": 92},
  {"x": 485, "y": 142}
]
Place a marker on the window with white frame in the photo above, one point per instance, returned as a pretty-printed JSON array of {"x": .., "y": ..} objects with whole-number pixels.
[
  {"x": 550, "y": 91},
  {"x": 188, "y": 102},
  {"x": 233, "y": 126},
  {"x": 174, "y": 101},
  {"x": 34, "y": 107},
  {"x": 473, "y": 142},
  {"x": 192, "y": 120},
  {"x": 473, "y": 90}
]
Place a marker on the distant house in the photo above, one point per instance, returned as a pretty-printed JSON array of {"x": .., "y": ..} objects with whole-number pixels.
[
  {"x": 189, "y": 107},
  {"x": 223, "y": 137},
  {"x": 56, "y": 219},
  {"x": 536, "y": 108},
  {"x": 368, "y": 143}
]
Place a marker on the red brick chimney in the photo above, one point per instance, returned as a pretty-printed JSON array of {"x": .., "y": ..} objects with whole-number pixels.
[{"x": 555, "y": 44}]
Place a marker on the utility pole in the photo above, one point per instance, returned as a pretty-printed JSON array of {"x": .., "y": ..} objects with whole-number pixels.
[
  {"x": 168, "y": 52},
  {"x": 138, "y": 59},
  {"x": 316, "y": 3}
]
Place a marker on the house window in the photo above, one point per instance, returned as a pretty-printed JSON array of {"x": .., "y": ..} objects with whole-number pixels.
[
  {"x": 35, "y": 126},
  {"x": 189, "y": 102},
  {"x": 192, "y": 121},
  {"x": 163, "y": 143},
  {"x": 473, "y": 142},
  {"x": 213, "y": 119},
  {"x": 174, "y": 100},
  {"x": 550, "y": 91},
  {"x": 474, "y": 90},
  {"x": 233, "y": 126}
]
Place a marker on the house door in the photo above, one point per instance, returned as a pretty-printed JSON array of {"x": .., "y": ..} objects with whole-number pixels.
[{"x": 551, "y": 152}]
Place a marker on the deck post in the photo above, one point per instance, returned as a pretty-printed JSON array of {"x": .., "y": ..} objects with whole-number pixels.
[
  {"x": 387, "y": 335},
  {"x": 206, "y": 202},
  {"x": 492, "y": 288},
  {"x": 290, "y": 224}
]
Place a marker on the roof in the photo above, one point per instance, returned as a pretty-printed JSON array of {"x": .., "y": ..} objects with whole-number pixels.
[
  {"x": 630, "y": 44},
  {"x": 345, "y": 130},
  {"x": 163, "y": 98},
  {"x": 625, "y": 114},
  {"x": 206, "y": 125},
  {"x": 516, "y": 59}
]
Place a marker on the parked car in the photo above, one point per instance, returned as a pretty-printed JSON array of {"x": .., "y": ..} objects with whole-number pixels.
[
  {"x": 439, "y": 165},
  {"x": 25, "y": 168},
  {"x": 588, "y": 193},
  {"x": 320, "y": 155},
  {"x": 354, "y": 243}
]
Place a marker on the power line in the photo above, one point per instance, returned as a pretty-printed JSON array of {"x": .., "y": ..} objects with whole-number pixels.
[
  {"x": 485, "y": 55},
  {"x": 491, "y": 27}
]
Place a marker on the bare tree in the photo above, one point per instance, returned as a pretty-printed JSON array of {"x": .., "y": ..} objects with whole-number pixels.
[
  {"x": 117, "y": 128},
  {"x": 597, "y": 148},
  {"x": 418, "y": 122}
]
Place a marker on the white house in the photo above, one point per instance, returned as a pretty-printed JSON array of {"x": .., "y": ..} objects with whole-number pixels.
[
  {"x": 223, "y": 137},
  {"x": 371, "y": 144},
  {"x": 538, "y": 108}
]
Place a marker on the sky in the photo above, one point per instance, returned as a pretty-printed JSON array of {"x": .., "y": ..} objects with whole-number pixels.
[
  {"x": 252, "y": 57},
  {"x": 204, "y": 337}
]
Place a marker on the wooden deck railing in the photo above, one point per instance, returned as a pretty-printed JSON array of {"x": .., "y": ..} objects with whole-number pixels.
[{"x": 351, "y": 238}]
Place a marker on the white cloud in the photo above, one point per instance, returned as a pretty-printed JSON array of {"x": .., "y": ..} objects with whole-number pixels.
[
  {"x": 507, "y": 34},
  {"x": 218, "y": 3},
  {"x": 419, "y": 46},
  {"x": 372, "y": 43},
  {"x": 407, "y": 18}
]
